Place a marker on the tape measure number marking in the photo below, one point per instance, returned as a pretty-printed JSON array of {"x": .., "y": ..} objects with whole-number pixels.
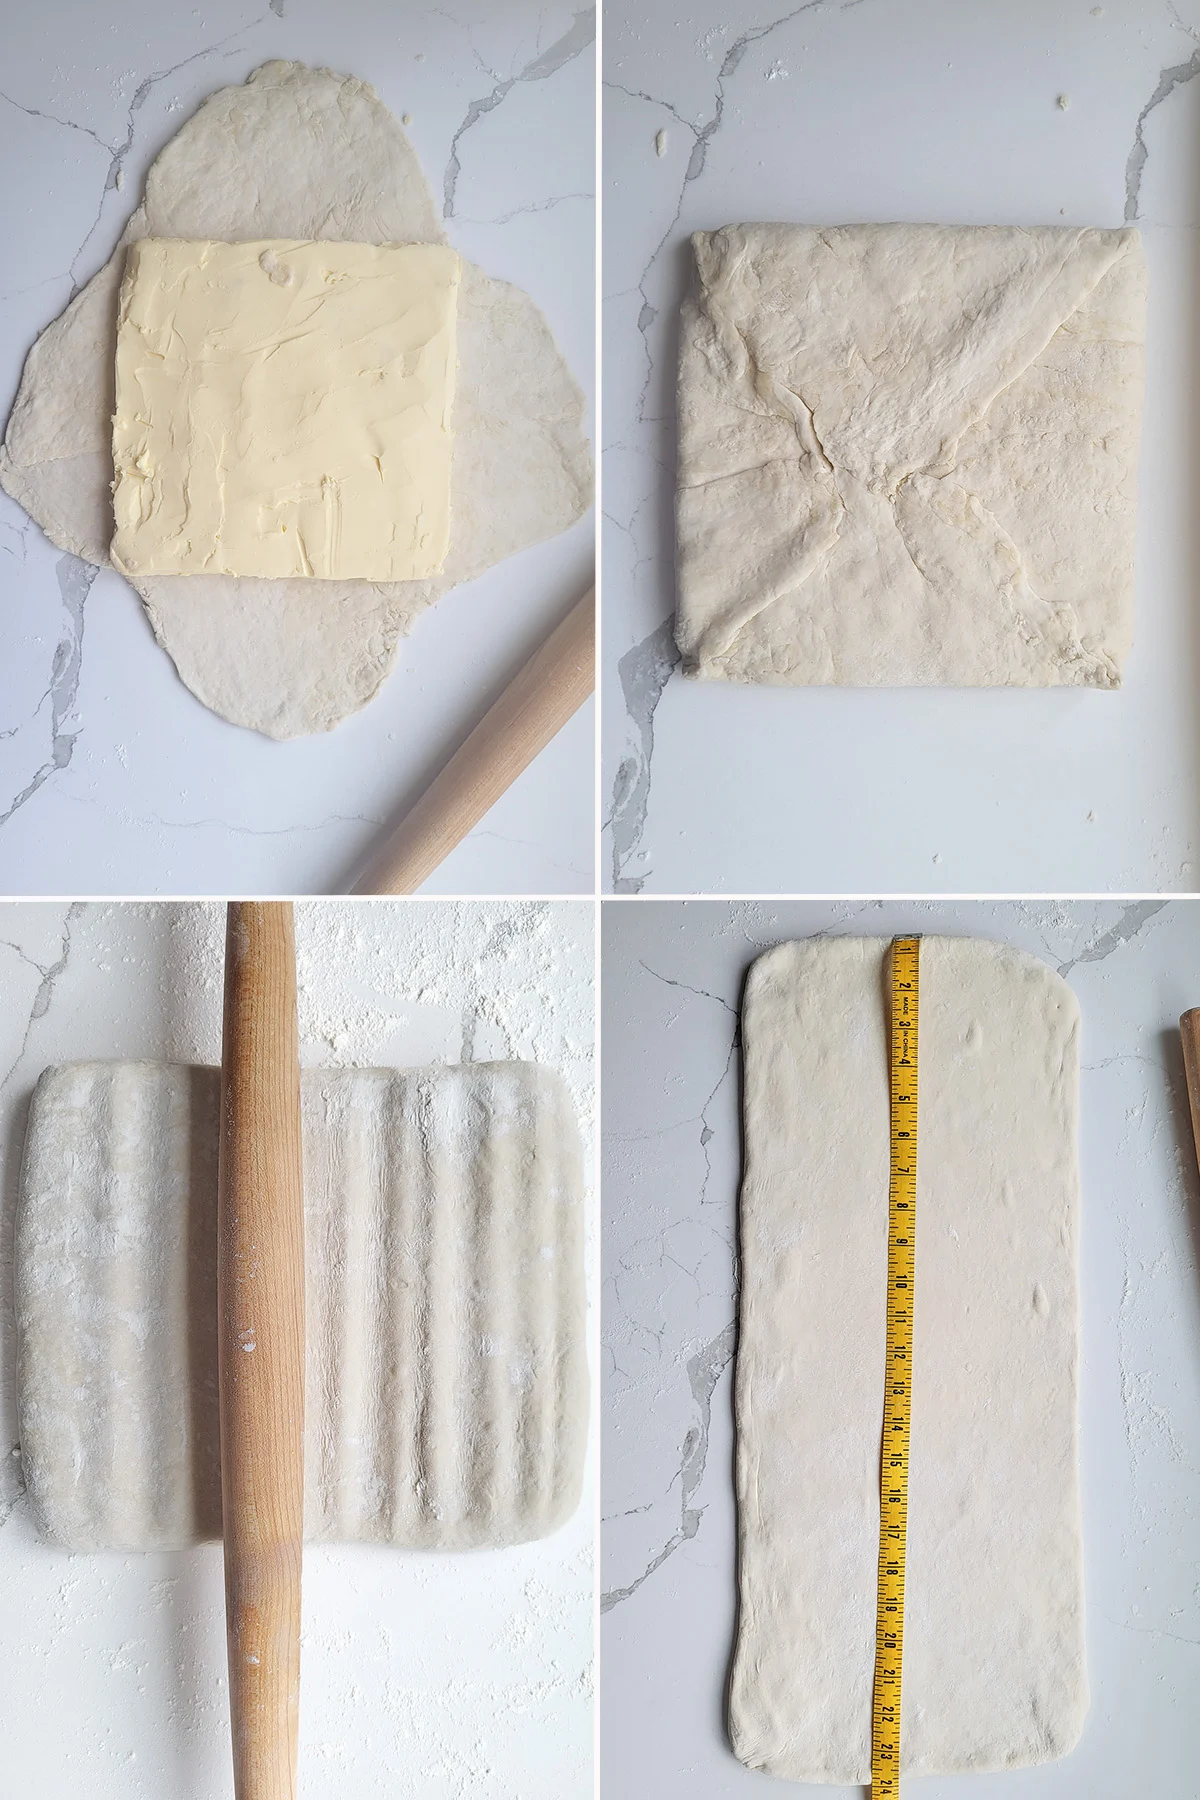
[{"x": 897, "y": 1399}]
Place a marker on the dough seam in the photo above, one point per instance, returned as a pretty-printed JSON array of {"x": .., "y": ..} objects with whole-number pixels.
[{"x": 763, "y": 312}]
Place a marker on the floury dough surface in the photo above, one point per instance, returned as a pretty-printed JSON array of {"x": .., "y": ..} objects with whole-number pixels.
[
  {"x": 994, "y": 1672},
  {"x": 302, "y": 153},
  {"x": 283, "y": 409},
  {"x": 908, "y": 455},
  {"x": 464, "y": 1662},
  {"x": 447, "y": 1390}
]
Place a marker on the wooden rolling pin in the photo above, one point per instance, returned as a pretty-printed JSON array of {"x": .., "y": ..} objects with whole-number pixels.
[
  {"x": 536, "y": 704},
  {"x": 260, "y": 1307},
  {"x": 1189, "y": 1031}
]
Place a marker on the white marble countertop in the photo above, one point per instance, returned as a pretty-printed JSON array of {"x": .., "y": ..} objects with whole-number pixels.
[
  {"x": 673, "y": 975},
  {"x": 838, "y": 111},
  {"x": 444, "y": 1675},
  {"x": 113, "y": 778}
]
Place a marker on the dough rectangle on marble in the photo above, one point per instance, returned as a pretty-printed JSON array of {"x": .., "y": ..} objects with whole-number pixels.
[
  {"x": 908, "y": 455},
  {"x": 994, "y": 1672},
  {"x": 283, "y": 409},
  {"x": 446, "y": 1372}
]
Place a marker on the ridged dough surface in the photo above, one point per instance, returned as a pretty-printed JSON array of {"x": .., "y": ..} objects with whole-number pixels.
[{"x": 447, "y": 1386}]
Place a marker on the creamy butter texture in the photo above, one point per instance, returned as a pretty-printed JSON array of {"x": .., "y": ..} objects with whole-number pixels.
[{"x": 283, "y": 408}]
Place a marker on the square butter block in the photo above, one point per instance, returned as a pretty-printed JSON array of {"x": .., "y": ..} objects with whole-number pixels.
[
  {"x": 908, "y": 455},
  {"x": 283, "y": 408}
]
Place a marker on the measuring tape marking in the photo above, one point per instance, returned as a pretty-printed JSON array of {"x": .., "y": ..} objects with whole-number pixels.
[{"x": 897, "y": 1400}]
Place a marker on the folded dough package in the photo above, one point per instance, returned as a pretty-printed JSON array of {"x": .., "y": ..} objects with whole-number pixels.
[
  {"x": 447, "y": 1389},
  {"x": 994, "y": 1672},
  {"x": 908, "y": 455}
]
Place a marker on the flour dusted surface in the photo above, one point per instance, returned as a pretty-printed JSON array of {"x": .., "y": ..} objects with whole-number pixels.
[{"x": 447, "y": 1390}]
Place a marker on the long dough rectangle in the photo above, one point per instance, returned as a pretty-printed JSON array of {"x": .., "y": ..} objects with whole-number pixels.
[
  {"x": 994, "y": 1672},
  {"x": 908, "y": 455},
  {"x": 446, "y": 1401}
]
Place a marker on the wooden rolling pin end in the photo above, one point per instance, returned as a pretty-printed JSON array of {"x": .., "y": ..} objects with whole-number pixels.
[
  {"x": 533, "y": 708},
  {"x": 1189, "y": 1032}
]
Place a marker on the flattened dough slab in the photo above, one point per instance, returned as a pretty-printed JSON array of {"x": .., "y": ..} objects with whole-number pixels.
[
  {"x": 994, "y": 1672},
  {"x": 908, "y": 455},
  {"x": 302, "y": 153},
  {"x": 447, "y": 1381}
]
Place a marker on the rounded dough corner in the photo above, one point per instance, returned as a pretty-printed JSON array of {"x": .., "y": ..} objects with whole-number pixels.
[{"x": 1031, "y": 968}]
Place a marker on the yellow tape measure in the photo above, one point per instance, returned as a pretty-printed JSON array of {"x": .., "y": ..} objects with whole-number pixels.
[{"x": 897, "y": 1400}]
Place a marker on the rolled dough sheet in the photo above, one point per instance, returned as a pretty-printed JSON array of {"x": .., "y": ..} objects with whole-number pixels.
[
  {"x": 994, "y": 1672},
  {"x": 908, "y": 455},
  {"x": 447, "y": 1384},
  {"x": 302, "y": 153}
]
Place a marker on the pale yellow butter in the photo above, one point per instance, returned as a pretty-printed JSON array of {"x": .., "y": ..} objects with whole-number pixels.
[{"x": 283, "y": 408}]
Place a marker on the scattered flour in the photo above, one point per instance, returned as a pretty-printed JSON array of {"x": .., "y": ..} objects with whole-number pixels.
[{"x": 485, "y": 1689}]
